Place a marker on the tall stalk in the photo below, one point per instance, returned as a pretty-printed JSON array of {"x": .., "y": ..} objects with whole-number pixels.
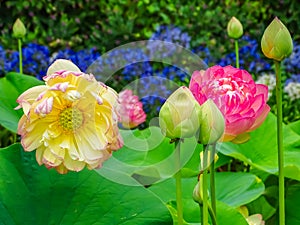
[
  {"x": 204, "y": 188},
  {"x": 212, "y": 179},
  {"x": 237, "y": 58},
  {"x": 280, "y": 143},
  {"x": 178, "y": 183},
  {"x": 20, "y": 55}
]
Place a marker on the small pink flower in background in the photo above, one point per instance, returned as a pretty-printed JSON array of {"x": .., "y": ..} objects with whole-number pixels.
[
  {"x": 242, "y": 102},
  {"x": 130, "y": 110}
]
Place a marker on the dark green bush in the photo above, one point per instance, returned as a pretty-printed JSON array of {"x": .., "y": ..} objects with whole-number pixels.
[{"x": 106, "y": 24}]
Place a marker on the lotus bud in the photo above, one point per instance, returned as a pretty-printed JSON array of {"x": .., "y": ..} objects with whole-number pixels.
[
  {"x": 234, "y": 28},
  {"x": 198, "y": 191},
  {"x": 19, "y": 29},
  {"x": 212, "y": 123},
  {"x": 276, "y": 42},
  {"x": 179, "y": 115}
]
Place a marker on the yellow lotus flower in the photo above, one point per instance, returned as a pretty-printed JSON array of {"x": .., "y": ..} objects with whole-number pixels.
[{"x": 71, "y": 121}]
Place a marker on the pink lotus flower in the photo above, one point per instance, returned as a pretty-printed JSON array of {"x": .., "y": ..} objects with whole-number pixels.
[
  {"x": 242, "y": 102},
  {"x": 130, "y": 110}
]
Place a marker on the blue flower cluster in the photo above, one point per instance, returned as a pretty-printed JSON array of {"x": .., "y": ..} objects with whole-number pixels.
[
  {"x": 204, "y": 53},
  {"x": 35, "y": 60},
  {"x": 292, "y": 63},
  {"x": 250, "y": 58},
  {"x": 83, "y": 58},
  {"x": 172, "y": 34}
]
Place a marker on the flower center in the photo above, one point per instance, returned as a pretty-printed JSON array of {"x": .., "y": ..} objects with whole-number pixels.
[{"x": 70, "y": 119}]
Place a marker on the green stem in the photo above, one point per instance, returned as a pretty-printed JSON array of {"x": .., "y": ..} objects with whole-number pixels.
[
  {"x": 280, "y": 143},
  {"x": 204, "y": 188},
  {"x": 212, "y": 179},
  {"x": 237, "y": 60},
  {"x": 15, "y": 138},
  {"x": 178, "y": 184},
  {"x": 20, "y": 55},
  {"x": 212, "y": 215}
]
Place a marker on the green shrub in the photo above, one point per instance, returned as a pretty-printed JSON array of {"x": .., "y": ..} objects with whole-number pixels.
[{"x": 86, "y": 23}]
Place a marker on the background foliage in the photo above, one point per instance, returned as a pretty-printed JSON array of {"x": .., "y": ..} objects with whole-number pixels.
[{"x": 105, "y": 24}]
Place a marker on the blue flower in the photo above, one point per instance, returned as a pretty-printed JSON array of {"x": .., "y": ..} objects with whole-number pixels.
[
  {"x": 82, "y": 58},
  {"x": 204, "y": 54},
  {"x": 35, "y": 60},
  {"x": 292, "y": 63},
  {"x": 12, "y": 61},
  {"x": 295, "y": 78},
  {"x": 172, "y": 34},
  {"x": 133, "y": 63},
  {"x": 249, "y": 57},
  {"x": 169, "y": 34},
  {"x": 2, "y": 61}
]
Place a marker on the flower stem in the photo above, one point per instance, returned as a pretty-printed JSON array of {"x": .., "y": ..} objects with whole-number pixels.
[
  {"x": 212, "y": 179},
  {"x": 212, "y": 215},
  {"x": 20, "y": 55},
  {"x": 204, "y": 188},
  {"x": 178, "y": 184},
  {"x": 280, "y": 143},
  {"x": 237, "y": 60}
]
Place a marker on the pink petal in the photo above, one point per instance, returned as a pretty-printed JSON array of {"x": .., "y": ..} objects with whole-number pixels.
[
  {"x": 239, "y": 126},
  {"x": 45, "y": 107},
  {"x": 262, "y": 89},
  {"x": 60, "y": 86},
  {"x": 28, "y": 97},
  {"x": 261, "y": 118}
]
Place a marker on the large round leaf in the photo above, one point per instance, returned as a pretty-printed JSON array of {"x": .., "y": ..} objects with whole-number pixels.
[
  {"x": 261, "y": 150},
  {"x": 11, "y": 86},
  {"x": 292, "y": 205},
  {"x": 149, "y": 157},
  {"x": 31, "y": 194},
  {"x": 232, "y": 189}
]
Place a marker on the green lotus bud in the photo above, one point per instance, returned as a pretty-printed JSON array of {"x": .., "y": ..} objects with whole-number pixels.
[
  {"x": 234, "y": 28},
  {"x": 198, "y": 191},
  {"x": 179, "y": 115},
  {"x": 212, "y": 123},
  {"x": 276, "y": 42},
  {"x": 19, "y": 29}
]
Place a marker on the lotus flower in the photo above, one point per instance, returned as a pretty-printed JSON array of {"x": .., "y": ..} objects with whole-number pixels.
[
  {"x": 130, "y": 110},
  {"x": 19, "y": 30},
  {"x": 276, "y": 42},
  {"x": 71, "y": 121},
  {"x": 179, "y": 115},
  {"x": 234, "y": 28},
  {"x": 241, "y": 101}
]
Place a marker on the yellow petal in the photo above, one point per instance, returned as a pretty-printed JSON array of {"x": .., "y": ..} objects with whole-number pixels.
[
  {"x": 62, "y": 64},
  {"x": 39, "y": 154},
  {"x": 30, "y": 141},
  {"x": 61, "y": 169},
  {"x": 49, "y": 159},
  {"x": 26, "y": 99},
  {"x": 73, "y": 165}
]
